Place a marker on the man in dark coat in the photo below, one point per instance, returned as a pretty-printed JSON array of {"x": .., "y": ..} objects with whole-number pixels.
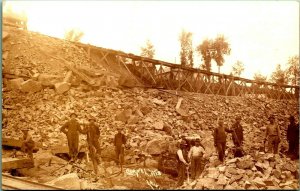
[
  {"x": 237, "y": 136},
  {"x": 237, "y": 132},
  {"x": 72, "y": 130},
  {"x": 293, "y": 137},
  {"x": 93, "y": 133},
  {"x": 119, "y": 142},
  {"x": 220, "y": 139}
]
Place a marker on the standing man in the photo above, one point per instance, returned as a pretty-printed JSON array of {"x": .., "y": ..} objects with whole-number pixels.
[
  {"x": 293, "y": 137},
  {"x": 72, "y": 130},
  {"x": 119, "y": 142},
  {"x": 237, "y": 132},
  {"x": 220, "y": 139},
  {"x": 28, "y": 143},
  {"x": 182, "y": 158},
  {"x": 195, "y": 156},
  {"x": 93, "y": 133},
  {"x": 237, "y": 136},
  {"x": 272, "y": 135}
]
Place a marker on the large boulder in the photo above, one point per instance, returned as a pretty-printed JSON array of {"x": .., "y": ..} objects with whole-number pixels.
[
  {"x": 123, "y": 115},
  {"x": 48, "y": 80},
  {"x": 31, "y": 86},
  {"x": 127, "y": 81},
  {"x": 62, "y": 87},
  {"x": 158, "y": 145},
  {"x": 15, "y": 84}
]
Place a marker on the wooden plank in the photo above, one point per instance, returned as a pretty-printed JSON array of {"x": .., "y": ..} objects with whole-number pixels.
[
  {"x": 16, "y": 143},
  {"x": 15, "y": 163}
]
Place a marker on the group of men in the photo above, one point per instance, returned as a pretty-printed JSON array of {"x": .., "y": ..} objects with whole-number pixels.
[
  {"x": 72, "y": 128},
  {"x": 191, "y": 158}
]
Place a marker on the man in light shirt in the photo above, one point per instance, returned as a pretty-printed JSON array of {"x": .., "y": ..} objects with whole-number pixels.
[
  {"x": 273, "y": 135},
  {"x": 195, "y": 155},
  {"x": 182, "y": 157}
]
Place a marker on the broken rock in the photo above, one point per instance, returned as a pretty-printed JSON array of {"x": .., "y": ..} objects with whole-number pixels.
[
  {"x": 68, "y": 181},
  {"x": 31, "y": 86},
  {"x": 157, "y": 146},
  {"x": 15, "y": 83},
  {"x": 62, "y": 87},
  {"x": 158, "y": 125},
  {"x": 245, "y": 164},
  {"x": 123, "y": 115}
]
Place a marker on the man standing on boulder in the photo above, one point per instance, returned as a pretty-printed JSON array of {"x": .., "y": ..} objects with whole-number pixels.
[
  {"x": 72, "y": 130},
  {"x": 182, "y": 157},
  {"x": 220, "y": 139},
  {"x": 119, "y": 142},
  {"x": 272, "y": 135}
]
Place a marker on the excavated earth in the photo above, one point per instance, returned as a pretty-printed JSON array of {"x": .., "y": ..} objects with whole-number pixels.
[{"x": 148, "y": 117}]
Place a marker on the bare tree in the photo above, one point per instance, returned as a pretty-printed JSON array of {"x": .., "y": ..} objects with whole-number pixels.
[
  {"x": 148, "y": 51},
  {"x": 238, "y": 68},
  {"x": 74, "y": 35}
]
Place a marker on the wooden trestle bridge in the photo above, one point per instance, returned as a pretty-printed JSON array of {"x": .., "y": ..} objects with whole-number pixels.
[{"x": 160, "y": 74}]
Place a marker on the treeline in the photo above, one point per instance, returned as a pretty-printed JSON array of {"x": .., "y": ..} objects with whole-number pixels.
[{"x": 215, "y": 49}]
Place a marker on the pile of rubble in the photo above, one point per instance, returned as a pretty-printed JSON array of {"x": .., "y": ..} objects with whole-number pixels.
[
  {"x": 153, "y": 120},
  {"x": 260, "y": 171}
]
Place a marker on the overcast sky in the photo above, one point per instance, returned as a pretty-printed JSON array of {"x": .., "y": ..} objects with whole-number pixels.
[{"x": 261, "y": 33}]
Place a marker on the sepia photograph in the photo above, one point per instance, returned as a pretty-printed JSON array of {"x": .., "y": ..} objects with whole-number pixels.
[{"x": 150, "y": 95}]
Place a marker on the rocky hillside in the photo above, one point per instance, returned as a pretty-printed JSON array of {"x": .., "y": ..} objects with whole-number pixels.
[{"x": 37, "y": 94}]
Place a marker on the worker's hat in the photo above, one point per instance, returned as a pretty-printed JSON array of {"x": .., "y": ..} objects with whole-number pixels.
[
  {"x": 271, "y": 117},
  {"x": 73, "y": 113},
  {"x": 25, "y": 129},
  {"x": 183, "y": 143},
  {"x": 119, "y": 128}
]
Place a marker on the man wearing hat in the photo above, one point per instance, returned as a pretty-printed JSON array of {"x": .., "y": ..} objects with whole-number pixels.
[
  {"x": 28, "y": 143},
  {"x": 195, "y": 155},
  {"x": 93, "y": 133},
  {"x": 237, "y": 132},
  {"x": 272, "y": 135},
  {"x": 119, "y": 142},
  {"x": 182, "y": 158},
  {"x": 220, "y": 139},
  {"x": 72, "y": 130},
  {"x": 237, "y": 136},
  {"x": 293, "y": 137}
]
